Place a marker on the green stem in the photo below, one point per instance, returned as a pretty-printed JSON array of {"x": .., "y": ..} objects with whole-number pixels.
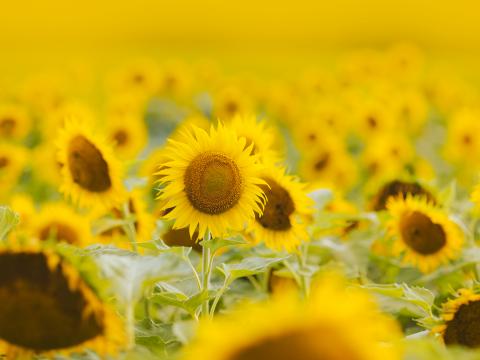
[
  {"x": 194, "y": 271},
  {"x": 206, "y": 261},
  {"x": 302, "y": 262},
  {"x": 129, "y": 228},
  {"x": 130, "y": 324},
  {"x": 219, "y": 296}
]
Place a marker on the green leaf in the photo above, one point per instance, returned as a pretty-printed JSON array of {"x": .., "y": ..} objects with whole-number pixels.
[
  {"x": 216, "y": 244},
  {"x": 417, "y": 301},
  {"x": 8, "y": 220},
  {"x": 248, "y": 267}
]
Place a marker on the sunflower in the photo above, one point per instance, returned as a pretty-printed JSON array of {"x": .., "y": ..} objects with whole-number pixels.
[
  {"x": 231, "y": 101},
  {"x": 49, "y": 308},
  {"x": 460, "y": 319},
  {"x": 91, "y": 174},
  {"x": 15, "y": 122},
  {"x": 45, "y": 164},
  {"x": 283, "y": 222},
  {"x": 328, "y": 164},
  {"x": 334, "y": 324},
  {"x": 129, "y": 134},
  {"x": 13, "y": 159},
  {"x": 140, "y": 76},
  {"x": 210, "y": 181},
  {"x": 423, "y": 232},
  {"x": 259, "y": 134},
  {"x": 58, "y": 221},
  {"x": 397, "y": 188}
]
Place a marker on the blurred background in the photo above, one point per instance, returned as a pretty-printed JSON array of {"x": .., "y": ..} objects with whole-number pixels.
[{"x": 269, "y": 35}]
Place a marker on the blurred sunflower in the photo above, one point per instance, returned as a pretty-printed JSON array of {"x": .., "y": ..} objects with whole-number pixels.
[
  {"x": 45, "y": 164},
  {"x": 58, "y": 221},
  {"x": 140, "y": 76},
  {"x": 396, "y": 188},
  {"x": 210, "y": 181},
  {"x": 328, "y": 164},
  {"x": 128, "y": 134},
  {"x": 24, "y": 205},
  {"x": 424, "y": 233},
  {"x": 460, "y": 318},
  {"x": 258, "y": 134},
  {"x": 230, "y": 101},
  {"x": 15, "y": 122},
  {"x": 13, "y": 160},
  {"x": 333, "y": 325},
  {"x": 91, "y": 174},
  {"x": 283, "y": 222},
  {"x": 49, "y": 308}
]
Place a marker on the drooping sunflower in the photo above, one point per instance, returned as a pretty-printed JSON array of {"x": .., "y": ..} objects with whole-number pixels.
[
  {"x": 210, "y": 181},
  {"x": 259, "y": 134},
  {"x": 283, "y": 222},
  {"x": 50, "y": 308},
  {"x": 460, "y": 318},
  {"x": 334, "y": 324},
  {"x": 58, "y": 221},
  {"x": 424, "y": 233},
  {"x": 129, "y": 135},
  {"x": 15, "y": 122},
  {"x": 91, "y": 174},
  {"x": 396, "y": 188}
]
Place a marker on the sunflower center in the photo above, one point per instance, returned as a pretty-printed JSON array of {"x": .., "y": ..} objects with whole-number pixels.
[
  {"x": 60, "y": 232},
  {"x": 87, "y": 165},
  {"x": 213, "y": 183},
  {"x": 120, "y": 137},
  {"x": 322, "y": 162},
  {"x": 7, "y": 126},
  {"x": 463, "y": 329},
  {"x": 4, "y": 161},
  {"x": 421, "y": 234},
  {"x": 298, "y": 345},
  {"x": 40, "y": 310},
  {"x": 278, "y": 208}
]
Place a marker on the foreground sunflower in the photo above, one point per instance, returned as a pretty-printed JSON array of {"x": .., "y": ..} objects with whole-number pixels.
[
  {"x": 460, "y": 319},
  {"x": 91, "y": 174},
  {"x": 424, "y": 233},
  {"x": 282, "y": 224},
  {"x": 210, "y": 181},
  {"x": 49, "y": 309},
  {"x": 333, "y": 325},
  {"x": 58, "y": 221}
]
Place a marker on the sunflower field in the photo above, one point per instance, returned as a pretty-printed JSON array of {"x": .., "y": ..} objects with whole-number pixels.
[{"x": 202, "y": 185}]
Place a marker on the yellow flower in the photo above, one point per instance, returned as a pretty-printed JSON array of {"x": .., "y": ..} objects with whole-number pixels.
[
  {"x": 387, "y": 155},
  {"x": 258, "y": 134},
  {"x": 23, "y": 204},
  {"x": 58, "y": 221},
  {"x": 13, "y": 160},
  {"x": 128, "y": 134},
  {"x": 230, "y": 101},
  {"x": 140, "y": 76},
  {"x": 462, "y": 144},
  {"x": 45, "y": 164},
  {"x": 15, "y": 122},
  {"x": 328, "y": 164},
  {"x": 49, "y": 309},
  {"x": 210, "y": 180},
  {"x": 335, "y": 324},
  {"x": 283, "y": 222},
  {"x": 91, "y": 174},
  {"x": 460, "y": 318},
  {"x": 423, "y": 232}
]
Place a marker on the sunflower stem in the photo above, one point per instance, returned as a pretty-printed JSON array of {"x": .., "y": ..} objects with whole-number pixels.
[
  {"x": 206, "y": 267},
  {"x": 129, "y": 228},
  {"x": 219, "y": 295},
  {"x": 302, "y": 264}
]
